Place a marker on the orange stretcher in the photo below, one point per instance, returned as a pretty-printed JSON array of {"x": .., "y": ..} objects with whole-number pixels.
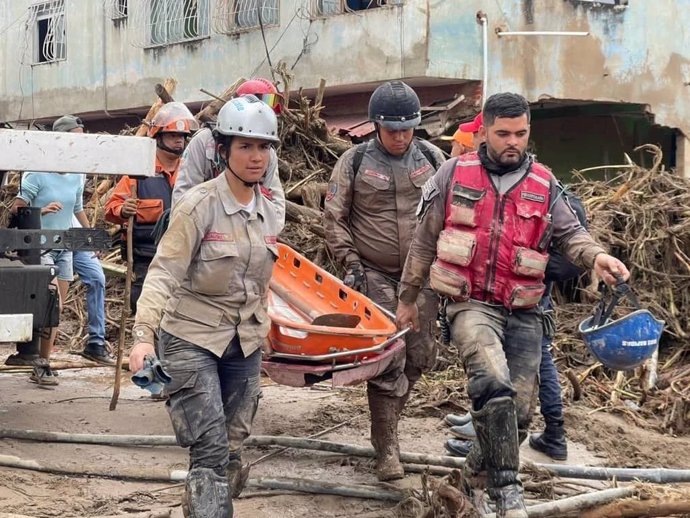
[{"x": 322, "y": 329}]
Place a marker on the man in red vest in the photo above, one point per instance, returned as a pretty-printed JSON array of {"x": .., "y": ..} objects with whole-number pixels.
[{"x": 485, "y": 224}]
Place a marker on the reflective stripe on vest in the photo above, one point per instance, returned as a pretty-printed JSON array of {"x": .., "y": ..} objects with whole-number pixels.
[{"x": 493, "y": 246}]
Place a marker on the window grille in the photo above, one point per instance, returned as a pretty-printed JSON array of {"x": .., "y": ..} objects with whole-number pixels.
[
  {"x": 116, "y": 9},
  {"x": 165, "y": 22},
  {"x": 329, "y": 7},
  {"x": 48, "y": 22},
  {"x": 233, "y": 16}
]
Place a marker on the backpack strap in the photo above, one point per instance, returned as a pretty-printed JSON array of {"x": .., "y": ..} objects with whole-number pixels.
[
  {"x": 359, "y": 156},
  {"x": 421, "y": 144}
]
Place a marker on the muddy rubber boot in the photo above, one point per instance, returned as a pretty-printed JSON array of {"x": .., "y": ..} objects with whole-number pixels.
[
  {"x": 496, "y": 426},
  {"x": 552, "y": 442},
  {"x": 237, "y": 477},
  {"x": 385, "y": 412},
  {"x": 465, "y": 432},
  {"x": 457, "y": 420},
  {"x": 474, "y": 478},
  {"x": 206, "y": 495},
  {"x": 458, "y": 448}
]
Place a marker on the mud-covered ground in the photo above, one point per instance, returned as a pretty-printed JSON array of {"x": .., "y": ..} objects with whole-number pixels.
[{"x": 80, "y": 405}]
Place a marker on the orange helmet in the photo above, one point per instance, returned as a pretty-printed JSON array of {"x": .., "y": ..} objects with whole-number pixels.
[
  {"x": 264, "y": 90},
  {"x": 173, "y": 117}
]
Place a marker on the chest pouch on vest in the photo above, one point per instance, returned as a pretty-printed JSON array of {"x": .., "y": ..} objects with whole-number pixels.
[
  {"x": 463, "y": 207},
  {"x": 529, "y": 263},
  {"x": 450, "y": 283},
  {"x": 457, "y": 247},
  {"x": 524, "y": 296},
  {"x": 531, "y": 225}
]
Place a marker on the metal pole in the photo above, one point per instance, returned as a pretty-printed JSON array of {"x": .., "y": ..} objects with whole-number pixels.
[
  {"x": 542, "y": 33},
  {"x": 484, "y": 21}
]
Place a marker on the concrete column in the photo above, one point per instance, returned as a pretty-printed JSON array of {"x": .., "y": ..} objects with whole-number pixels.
[{"x": 683, "y": 154}]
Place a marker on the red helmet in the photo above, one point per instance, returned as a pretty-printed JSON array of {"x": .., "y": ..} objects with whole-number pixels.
[
  {"x": 264, "y": 90},
  {"x": 173, "y": 117}
]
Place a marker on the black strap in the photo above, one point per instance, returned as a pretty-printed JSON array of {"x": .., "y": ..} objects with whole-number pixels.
[
  {"x": 421, "y": 144},
  {"x": 620, "y": 291}
]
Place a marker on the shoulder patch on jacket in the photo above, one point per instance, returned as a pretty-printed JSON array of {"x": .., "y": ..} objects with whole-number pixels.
[
  {"x": 332, "y": 190},
  {"x": 429, "y": 191}
]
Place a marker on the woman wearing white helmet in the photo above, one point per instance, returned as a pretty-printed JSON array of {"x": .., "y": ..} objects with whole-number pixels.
[{"x": 205, "y": 297}]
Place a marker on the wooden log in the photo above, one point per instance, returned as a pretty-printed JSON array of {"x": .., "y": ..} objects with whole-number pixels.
[
  {"x": 163, "y": 94},
  {"x": 169, "y": 84},
  {"x": 299, "y": 192},
  {"x": 575, "y": 504},
  {"x": 56, "y": 365},
  {"x": 306, "y": 216},
  {"x": 632, "y": 508},
  {"x": 114, "y": 270},
  {"x": 208, "y": 114}
]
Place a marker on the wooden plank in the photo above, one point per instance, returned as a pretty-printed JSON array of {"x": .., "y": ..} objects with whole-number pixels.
[{"x": 46, "y": 151}]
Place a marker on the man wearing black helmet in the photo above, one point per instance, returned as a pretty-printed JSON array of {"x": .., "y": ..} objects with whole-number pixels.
[{"x": 369, "y": 219}]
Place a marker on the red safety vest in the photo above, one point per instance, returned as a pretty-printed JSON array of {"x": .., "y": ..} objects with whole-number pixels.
[{"x": 492, "y": 247}]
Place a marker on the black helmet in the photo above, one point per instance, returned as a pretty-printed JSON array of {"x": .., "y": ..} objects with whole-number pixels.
[{"x": 394, "y": 105}]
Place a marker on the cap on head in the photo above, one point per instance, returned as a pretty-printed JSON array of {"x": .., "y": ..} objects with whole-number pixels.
[
  {"x": 472, "y": 126},
  {"x": 67, "y": 123},
  {"x": 395, "y": 106}
]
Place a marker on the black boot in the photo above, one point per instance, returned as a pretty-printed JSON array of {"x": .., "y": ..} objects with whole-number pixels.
[
  {"x": 496, "y": 426},
  {"x": 206, "y": 495},
  {"x": 552, "y": 442},
  {"x": 385, "y": 412}
]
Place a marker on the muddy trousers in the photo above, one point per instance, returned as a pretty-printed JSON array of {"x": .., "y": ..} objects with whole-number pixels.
[
  {"x": 388, "y": 393},
  {"x": 212, "y": 403},
  {"x": 501, "y": 354}
]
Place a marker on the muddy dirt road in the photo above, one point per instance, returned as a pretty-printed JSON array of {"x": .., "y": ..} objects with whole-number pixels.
[{"x": 80, "y": 405}]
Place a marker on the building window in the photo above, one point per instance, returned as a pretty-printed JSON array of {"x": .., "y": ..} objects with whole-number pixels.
[
  {"x": 49, "y": 31},
  {"x": 233, "y": 16},
  {"x": 118, "y": 9},
  {"x": 175, "y": 21},
  {"x": 328, "y": 7}
]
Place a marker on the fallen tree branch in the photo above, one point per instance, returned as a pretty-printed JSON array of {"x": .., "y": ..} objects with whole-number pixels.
[
  {"x": 575, "y": 504},
  {"x": 655, "y": 475},
  {"x": 643, "y": 508}
]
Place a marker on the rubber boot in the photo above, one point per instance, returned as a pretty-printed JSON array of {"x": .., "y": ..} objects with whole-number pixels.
[
  {"x": 457, "y": 420},
  {"x": 206, "y": 495},
  {"x": 474, "y": 478},
  {"x": 385, "y": 412},
  {"x": 237, "y": 477},
  {"x": 465, "y": 431},
  {"x": 496, "y": 426},
  {"x": 552, "y": 442},
  {"x": 458, "y": 448}
]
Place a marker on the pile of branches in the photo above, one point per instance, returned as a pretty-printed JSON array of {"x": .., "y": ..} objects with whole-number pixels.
[{"x": 642, "y": 216}]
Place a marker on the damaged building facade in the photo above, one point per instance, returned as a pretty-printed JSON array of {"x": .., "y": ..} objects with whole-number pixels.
[{"x": 602, "y": 77}]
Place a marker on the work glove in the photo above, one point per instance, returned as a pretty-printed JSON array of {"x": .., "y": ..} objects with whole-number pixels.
[
  {"x": 355, "y": 277},
  {"x": 548, "y": 322},
  {"x": 152, "y": 377}
]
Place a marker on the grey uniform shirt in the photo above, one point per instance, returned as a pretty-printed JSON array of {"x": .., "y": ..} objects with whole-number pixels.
[
  {"x": 369, "y": 214},
  {"x": 209, "y": 278},
  {"x": 569, "y": 236},
  {"x": 199, "y": 165}
]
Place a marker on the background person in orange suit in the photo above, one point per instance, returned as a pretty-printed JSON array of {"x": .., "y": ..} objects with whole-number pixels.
[{"x": 171, "y": 127}]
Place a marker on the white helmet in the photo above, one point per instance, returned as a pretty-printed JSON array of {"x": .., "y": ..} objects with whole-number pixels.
[{"x": 247, "y": 116}]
